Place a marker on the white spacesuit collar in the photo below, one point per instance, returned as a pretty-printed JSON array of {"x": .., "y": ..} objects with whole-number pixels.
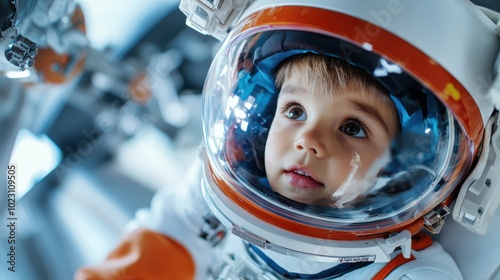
[{"x": 297, "y": 268}]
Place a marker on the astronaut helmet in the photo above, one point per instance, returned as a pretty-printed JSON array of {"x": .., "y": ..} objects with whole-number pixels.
[{"x": 332, "y": 126}]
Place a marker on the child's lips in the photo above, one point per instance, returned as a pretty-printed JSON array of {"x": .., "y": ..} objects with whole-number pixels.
[{"x": 301, "y": 177}]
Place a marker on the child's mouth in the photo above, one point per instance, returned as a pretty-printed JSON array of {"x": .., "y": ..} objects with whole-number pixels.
[{"x": 302, "y": 179}]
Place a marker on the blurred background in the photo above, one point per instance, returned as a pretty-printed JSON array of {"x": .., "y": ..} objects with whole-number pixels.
[{"x": 96, "y": 151}]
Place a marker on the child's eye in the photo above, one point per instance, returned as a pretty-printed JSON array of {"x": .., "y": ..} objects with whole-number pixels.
[
  {"x": 296, "y": 112},
  {"x": 353, "y": 128}
]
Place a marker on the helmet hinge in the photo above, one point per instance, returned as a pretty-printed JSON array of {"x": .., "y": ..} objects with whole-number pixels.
[{"x": 434, "y": 220}]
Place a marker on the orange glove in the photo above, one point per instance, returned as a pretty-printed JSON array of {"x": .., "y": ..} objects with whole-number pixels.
[{"x": 142, "y": 255}]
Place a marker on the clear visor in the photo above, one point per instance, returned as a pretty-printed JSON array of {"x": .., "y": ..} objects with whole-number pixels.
[{"x": 327, "y": 133}]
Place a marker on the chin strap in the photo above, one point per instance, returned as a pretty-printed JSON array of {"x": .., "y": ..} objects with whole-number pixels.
[{"x": 420, "y": 241}]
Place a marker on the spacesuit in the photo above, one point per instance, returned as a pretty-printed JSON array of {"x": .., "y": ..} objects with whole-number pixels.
[{"x": 227, "y": 221}]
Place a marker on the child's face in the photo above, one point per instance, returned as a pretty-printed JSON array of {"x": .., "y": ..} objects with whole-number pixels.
[{"x": 314, "y": 136}]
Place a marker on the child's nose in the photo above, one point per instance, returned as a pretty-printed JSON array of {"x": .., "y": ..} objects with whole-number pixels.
[{"x": 310, "y": 142}]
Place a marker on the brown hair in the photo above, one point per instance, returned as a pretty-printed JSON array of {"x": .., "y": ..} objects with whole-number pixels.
[{"x": 337, "y": 75}]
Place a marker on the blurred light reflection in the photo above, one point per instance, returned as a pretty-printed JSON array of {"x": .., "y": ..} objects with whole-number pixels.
[{"x": 34, "y": 157}]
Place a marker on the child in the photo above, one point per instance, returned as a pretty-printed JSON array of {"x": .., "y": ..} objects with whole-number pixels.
[{"x": 330, "y": 116}]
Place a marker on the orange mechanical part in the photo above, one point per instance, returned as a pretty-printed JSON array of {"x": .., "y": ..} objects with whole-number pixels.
[
  {"x": 140, "y": 88},
  {"x": 59, "y": 68}
]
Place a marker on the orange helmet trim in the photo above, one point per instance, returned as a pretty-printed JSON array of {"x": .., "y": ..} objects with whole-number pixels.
[
  {"x": 441, "y": 82},
  {"x": 413, "y": 226}
]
